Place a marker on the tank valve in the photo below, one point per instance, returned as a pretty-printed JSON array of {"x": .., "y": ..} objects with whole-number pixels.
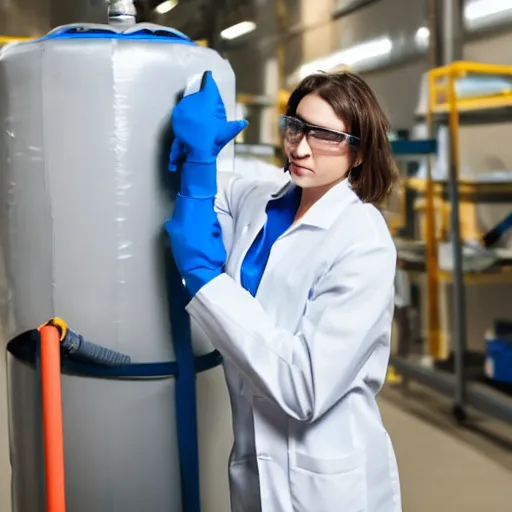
[{"x": 122, "y": 13}]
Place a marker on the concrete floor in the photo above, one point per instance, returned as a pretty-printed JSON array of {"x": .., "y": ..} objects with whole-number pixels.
[{"x": 443, "y": 468}]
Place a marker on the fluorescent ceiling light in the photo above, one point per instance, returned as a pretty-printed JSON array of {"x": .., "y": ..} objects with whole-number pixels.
[
  {"x": 349, "y": 57},
  {"x": 483, "y": 8},
  {"x": 240, "y": 29},
  {"x": 422, "y": 37},
  {"x": 166, "y": 6}
]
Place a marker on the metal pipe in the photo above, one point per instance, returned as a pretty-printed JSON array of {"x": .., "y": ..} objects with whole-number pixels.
[
  {"x": 435, "y": 40},
  {"x": 453, "y": 50},
  {"x": 122, "y": 13},
  {"x": 214, "y": 38},
  {"x": 281, "y": 18},
  {"x": 404, "y": 45},
  {"x": 434, "y": 335},
  {"x": 443, "y": 383},
  {"x": 458, "y": 291},
  {"x": 484, "y": 400},
  {"x": 350, "y": 7},
  {"x": 452, "y": 17}
]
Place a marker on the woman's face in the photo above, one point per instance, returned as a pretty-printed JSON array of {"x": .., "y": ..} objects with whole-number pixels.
[{"x": 318, "y": 161}]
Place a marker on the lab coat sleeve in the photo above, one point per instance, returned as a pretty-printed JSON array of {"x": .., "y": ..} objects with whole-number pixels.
[
  {"x": 224, "y": 206},
  {"x": 348, "y": 315}
]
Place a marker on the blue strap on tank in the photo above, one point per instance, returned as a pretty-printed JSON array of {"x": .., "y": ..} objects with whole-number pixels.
[
  {"x": 26, "y": 348},
  {"x": 186, "y": 397},
  {"x": 144, "y": 34}
]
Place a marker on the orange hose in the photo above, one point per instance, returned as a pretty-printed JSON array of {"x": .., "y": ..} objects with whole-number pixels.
[{"x": 52, "y": 419}]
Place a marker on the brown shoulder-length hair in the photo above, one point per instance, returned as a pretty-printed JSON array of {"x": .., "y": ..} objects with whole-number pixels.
[{"x": 357, "y": 106}]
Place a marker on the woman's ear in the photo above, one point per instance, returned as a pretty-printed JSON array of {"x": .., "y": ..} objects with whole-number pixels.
[
  {"x": 355, "y": 171},
  {"x": 358, "y": 161}
]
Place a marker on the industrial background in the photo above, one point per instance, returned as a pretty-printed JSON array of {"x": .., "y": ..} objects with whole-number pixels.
[{"x": 446, "y": 405}]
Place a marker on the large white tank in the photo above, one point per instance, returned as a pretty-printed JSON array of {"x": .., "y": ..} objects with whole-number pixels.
[{"x": 84, "y": 142}]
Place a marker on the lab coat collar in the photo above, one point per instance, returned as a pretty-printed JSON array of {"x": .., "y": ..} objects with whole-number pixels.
[{"x": 327, "y": 209}]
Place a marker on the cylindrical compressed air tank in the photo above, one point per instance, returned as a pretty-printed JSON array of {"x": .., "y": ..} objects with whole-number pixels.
[{"x": 84, "y": 143}]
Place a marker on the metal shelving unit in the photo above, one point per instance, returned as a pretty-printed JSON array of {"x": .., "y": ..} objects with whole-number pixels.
[
  {"x": 405, "y": 151},
  {"x": 446, "y": 106}
]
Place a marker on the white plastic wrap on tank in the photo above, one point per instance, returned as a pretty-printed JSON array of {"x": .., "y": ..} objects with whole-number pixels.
[{"x": 84, "y": 142}]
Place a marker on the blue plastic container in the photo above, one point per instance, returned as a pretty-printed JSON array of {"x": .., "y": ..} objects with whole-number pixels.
[{"x": 498, "y": 363}]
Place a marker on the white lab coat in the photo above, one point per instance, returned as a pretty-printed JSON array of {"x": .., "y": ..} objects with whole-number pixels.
[{"x": 306, "y": 357}]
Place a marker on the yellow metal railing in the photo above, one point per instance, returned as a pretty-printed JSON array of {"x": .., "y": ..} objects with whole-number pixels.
[
  {"x": 12, "y": 39},
  {"x": 443, "y": 99},
  {"x": 444, "y": 78}
]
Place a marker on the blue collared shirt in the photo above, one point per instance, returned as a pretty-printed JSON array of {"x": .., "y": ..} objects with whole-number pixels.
[{"x": 280, "y": 215}]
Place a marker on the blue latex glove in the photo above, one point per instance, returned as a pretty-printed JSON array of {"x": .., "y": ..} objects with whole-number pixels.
[
  {"x": 196, "y": 241},
  {"x": 201, "y": 131},
  {"x": 200, "y": 126}
]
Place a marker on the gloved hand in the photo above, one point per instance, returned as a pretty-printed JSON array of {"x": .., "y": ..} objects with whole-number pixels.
[
  {"x": 201, "y": 131},
  {"x": 200, "y": 125}
]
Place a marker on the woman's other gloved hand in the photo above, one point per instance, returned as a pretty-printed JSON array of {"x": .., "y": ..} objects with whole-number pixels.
[{"x": 201, "y": 130}]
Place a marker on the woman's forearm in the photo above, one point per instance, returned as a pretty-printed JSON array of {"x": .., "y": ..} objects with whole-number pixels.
[
  {"x": 199, "y": 180},
  {"x": 196, "y": 240},
  {"x": 196, "y": 235}
]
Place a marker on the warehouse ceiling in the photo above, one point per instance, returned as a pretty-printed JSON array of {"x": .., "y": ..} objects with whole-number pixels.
[
  {"x": 193, "y": 17},
  {"x": 200, "y": 19}
]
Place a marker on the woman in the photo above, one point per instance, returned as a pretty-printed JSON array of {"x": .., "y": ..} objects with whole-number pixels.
[{"x": 297, "y": 295}]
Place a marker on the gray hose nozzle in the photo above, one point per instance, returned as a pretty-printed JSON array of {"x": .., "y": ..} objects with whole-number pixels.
[{"x": 76, "y": 348}]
